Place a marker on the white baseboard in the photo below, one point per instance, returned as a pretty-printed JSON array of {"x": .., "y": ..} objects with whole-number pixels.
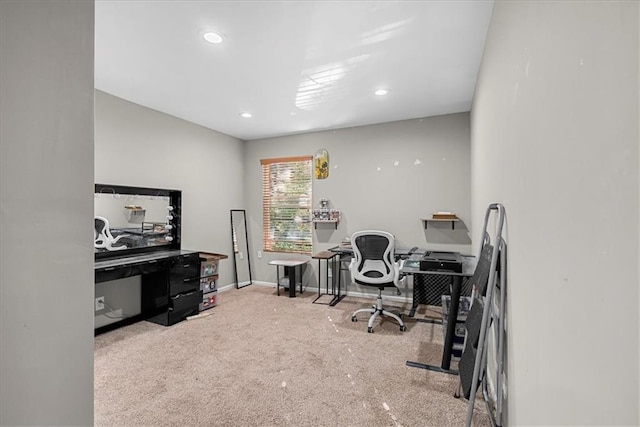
[
  {"x": 406, "y": 297},
  {"x": 254, "y": 282},
  {"x": 267, "y": 284}
]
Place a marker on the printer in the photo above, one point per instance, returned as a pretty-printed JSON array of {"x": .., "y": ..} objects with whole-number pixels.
[{"x": 441, "y": 261}]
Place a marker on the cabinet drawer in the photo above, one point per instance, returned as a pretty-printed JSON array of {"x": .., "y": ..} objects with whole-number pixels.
[
  {"x": 105, "y": 274},
  {"x": 179, "y": 308},
  {"x": 185, "y": 304},
  {"x": 185, "y": 267},
  {"x": 183, "y": 286}
]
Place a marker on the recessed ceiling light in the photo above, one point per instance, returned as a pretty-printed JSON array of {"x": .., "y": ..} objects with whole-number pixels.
[
  {"x": 381, "y": 92},
  {"x": 246, "y": 115},
  {"x": 214, "y": 38}
]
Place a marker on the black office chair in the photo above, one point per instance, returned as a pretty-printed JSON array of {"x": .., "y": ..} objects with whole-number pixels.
[{"x": 373, "y": 264}]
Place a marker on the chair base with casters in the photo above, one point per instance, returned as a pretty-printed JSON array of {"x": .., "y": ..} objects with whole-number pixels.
[{"x": 378, "y": 310}]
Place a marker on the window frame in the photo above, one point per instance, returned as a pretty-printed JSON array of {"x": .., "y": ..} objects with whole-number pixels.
[{"x": 273, "y": 240}]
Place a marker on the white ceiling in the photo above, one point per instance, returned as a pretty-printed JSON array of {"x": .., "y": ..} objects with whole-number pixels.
[{"x": 296, "y": 66}]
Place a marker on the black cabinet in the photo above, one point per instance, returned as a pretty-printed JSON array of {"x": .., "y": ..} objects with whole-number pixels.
[{"x": 169, "y": 299}]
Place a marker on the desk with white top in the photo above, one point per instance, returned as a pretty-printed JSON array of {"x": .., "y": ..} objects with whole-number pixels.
[{"x": 292, "y": 269}]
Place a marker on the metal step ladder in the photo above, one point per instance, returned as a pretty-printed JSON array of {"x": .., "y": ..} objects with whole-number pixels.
[{"x": 487, "y": 316}]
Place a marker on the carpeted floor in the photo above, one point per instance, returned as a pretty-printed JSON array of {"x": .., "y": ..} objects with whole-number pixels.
[{"x": 262, "y": 360}]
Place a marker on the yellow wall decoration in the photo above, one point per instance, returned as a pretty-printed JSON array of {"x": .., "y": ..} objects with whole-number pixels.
[{"x": 321, "y": 164}]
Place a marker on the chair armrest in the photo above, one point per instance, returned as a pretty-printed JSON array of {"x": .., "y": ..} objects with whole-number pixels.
[{"x": 352, "y": 265}]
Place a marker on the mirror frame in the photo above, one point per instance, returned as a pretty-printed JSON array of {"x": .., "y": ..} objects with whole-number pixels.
[
  {"x": 248, "y": 255},
  {"x": 175, "y": 200}
]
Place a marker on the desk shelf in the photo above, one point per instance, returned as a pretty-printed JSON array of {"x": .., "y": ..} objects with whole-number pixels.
[
  {"x": 451, "y": 220},
  {"x": 325, "y": 216},
  {"x": 325, "y": 221}
]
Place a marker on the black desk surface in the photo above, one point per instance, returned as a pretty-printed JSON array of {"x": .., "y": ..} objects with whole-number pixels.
[
  {"x": 412, "y": 264},
  {"x": 139, "y": 258},
  {"x": 349, "y": 251}
]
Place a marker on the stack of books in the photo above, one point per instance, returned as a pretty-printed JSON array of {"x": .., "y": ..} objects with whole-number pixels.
[
  {"x": 346, "y": 243},
  {"x": 444, "y": 215}
]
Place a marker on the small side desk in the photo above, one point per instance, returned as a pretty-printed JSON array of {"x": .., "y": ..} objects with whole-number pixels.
[
  {"x": 292, "y": 269},
  {"x": 333, "y": 259},
  {"x": 344, "y": 255},
  {"x": 412, "y": 266}
]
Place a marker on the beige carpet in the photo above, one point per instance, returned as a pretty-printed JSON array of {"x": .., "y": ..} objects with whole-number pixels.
[{"x": 263, "y": 360}]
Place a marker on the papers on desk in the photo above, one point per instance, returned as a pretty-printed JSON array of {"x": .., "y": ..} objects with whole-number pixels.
[
  {"x": 345, "y": 246},
  {"x": 346, "y": 243},
  {"x": 412, "y": 263}
]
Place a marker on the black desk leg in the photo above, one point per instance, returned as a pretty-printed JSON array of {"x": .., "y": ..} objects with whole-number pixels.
[
  {"x": 337, "y": 268},
  {"x": 415, "y": 301},
  {"x": 291, "y": 272},
  {"x": 300, "y": 272},
  {"x": 431, "y": 368},
  {"x": 326, "y": 275},
  {"x": 452, "y": 317},
  {"x": 320, "y": 279}
]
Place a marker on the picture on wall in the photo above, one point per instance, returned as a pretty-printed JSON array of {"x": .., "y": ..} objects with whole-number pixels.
[{"x": 321, "y": 164}]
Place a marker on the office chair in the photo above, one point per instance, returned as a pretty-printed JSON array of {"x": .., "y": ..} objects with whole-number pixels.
[
  {"x": 373, "y": 264},
  {"x": 102, "y": 237}
]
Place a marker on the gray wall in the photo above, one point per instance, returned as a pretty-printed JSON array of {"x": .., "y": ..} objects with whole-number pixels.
[
  {"x": 46, "y": 187},
  {"x": 140, "y": 147},
  {"x": 555, "y": 139},
  {"x": 384, "y": 176}
]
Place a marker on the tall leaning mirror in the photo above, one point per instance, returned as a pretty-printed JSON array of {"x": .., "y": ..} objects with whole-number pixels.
[{"x": 240, "y": 244}]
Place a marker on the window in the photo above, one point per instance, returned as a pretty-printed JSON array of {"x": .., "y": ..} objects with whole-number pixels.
[{"x": 286, "y": 204}]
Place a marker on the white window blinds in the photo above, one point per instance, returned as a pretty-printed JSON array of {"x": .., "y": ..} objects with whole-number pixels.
[{"x": 286, "y": 204}]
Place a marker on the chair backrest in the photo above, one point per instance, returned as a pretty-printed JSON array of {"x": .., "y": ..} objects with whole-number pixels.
[
  {"x": 101, "y": 232},
  {"x": 373, "y": 258},
  {"x": 103, "y": 239}
]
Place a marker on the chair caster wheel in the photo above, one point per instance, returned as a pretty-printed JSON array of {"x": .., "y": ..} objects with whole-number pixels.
[
  {"x": 370, "y": 330},
  {"x": 354, "y": 319},
  {"x": 403, "y": 328}
]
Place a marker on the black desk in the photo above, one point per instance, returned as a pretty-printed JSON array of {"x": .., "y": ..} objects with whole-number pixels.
[
  {"x": 412, "y": 266},
  {"x": 132, "y": 265},
  {"x": 346, "y": 253},
  {"x": 170, "y": 284}
]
